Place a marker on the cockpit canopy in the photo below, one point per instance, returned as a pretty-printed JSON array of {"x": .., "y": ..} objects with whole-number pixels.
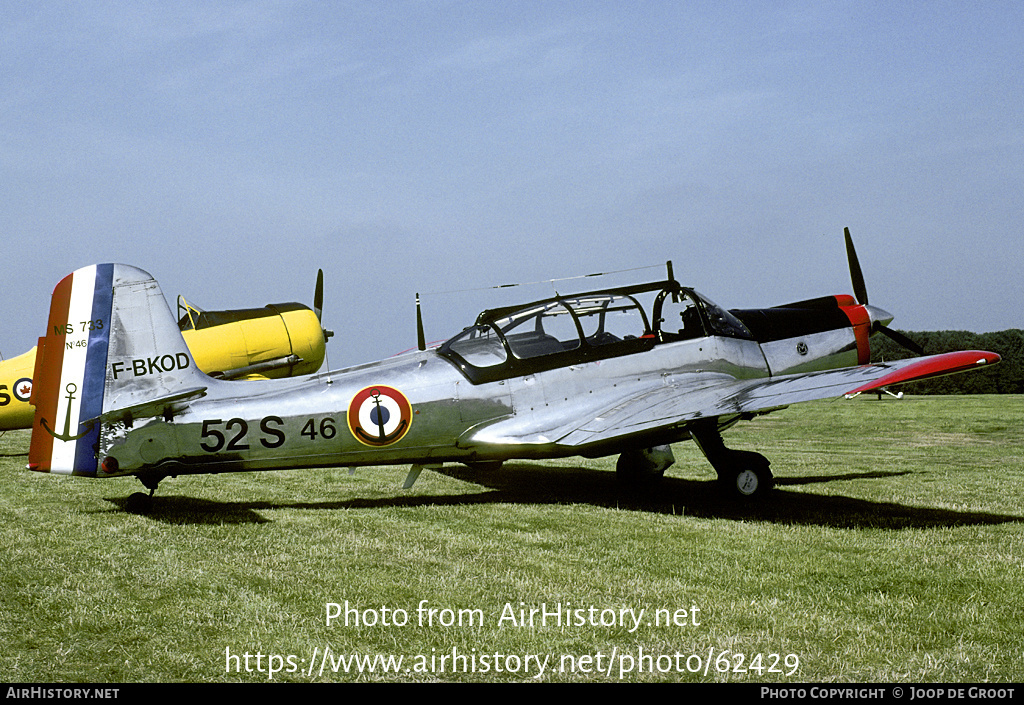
[{"x": 567, "y": 330}]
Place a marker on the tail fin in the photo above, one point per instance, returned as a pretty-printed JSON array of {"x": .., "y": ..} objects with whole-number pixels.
[{"x": 112, "y": 352}]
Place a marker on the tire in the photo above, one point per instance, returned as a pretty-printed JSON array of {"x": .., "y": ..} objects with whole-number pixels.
[{"x": 139, "y": 503}]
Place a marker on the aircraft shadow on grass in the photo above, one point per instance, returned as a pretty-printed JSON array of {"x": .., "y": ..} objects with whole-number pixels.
[{"x": 531, "y": 483}]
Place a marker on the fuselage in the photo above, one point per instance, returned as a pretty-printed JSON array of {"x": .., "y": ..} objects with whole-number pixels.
[{"x": 429, "y": 407}]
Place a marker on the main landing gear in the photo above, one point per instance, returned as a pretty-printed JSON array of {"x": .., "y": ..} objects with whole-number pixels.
[{"x": 742, "y": 473}]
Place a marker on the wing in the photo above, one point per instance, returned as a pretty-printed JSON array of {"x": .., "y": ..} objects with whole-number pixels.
[{"x": 698, "y": 395}]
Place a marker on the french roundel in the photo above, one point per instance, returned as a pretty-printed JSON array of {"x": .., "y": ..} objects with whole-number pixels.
[{"x": 379, "y": 415}]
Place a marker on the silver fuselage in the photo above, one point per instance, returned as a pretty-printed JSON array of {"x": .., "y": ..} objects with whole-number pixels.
[{"x": 264, "y": 425}]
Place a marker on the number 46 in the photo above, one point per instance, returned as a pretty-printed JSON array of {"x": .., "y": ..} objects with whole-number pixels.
[{"x": 327, "y": 429}]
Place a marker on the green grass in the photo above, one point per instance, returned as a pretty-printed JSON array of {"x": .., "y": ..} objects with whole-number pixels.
[{"x": 891, "y": 550}]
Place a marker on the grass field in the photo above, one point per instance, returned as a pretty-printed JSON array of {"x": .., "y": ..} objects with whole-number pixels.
[{"x": 891, "y": 550}]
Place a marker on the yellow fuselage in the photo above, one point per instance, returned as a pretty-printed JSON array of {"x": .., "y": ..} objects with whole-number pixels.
[
  {"x": 258, "y": 342},
  {"x": 15, "y": 388}
]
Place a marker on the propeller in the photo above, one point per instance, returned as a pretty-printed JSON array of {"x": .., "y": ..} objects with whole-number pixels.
[
  {"x": 860, "y": 292},
  {"x": 318, "y": 303}
]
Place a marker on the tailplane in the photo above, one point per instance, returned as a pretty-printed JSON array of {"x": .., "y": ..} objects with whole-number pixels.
[{"x": 112, "y": 353}]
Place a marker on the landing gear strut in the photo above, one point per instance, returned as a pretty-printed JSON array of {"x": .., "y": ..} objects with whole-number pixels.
[{"x": 740, "y": 472}]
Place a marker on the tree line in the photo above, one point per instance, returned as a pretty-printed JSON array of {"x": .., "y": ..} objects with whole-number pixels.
[{"x": 1005, "y": 378}]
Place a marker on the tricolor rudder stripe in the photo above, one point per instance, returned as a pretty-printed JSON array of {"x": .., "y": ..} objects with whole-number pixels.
[{"x": 70, "y": 373}]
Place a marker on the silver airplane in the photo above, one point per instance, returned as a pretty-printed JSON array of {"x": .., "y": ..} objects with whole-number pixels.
[{"x": 623, "y": 371}]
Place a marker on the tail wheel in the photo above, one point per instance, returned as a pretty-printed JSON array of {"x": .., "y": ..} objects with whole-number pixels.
[{"x": 139, "y": 503}]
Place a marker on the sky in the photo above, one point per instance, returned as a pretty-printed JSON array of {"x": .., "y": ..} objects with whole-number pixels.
[{"x": 443, "y": 147}]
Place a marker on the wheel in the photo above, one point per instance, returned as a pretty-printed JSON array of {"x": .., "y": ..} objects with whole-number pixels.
[
  {"x": 139, "y": 503},
  {"x": 749, "y": 476},
  {"x": 748, "y": 482}
]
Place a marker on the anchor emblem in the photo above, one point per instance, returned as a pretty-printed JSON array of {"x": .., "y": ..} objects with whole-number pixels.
[
  {"x": 71, "y": 388},
  {"x": 379, "y": 415}
]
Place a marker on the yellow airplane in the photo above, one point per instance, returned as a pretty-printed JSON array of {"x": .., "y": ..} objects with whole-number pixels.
[
  {"x": 278, "y": 340},
  {"x": 15, "y": 390}
]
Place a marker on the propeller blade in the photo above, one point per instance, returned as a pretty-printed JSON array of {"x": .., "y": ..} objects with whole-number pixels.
[
  {"x": 421, "y": 338},
  {"x": 318, "y": 295},
  {"x": 318, "y": 303},
  {"x": 900, "y": 339},
  {"x": 860, "y": 291}
]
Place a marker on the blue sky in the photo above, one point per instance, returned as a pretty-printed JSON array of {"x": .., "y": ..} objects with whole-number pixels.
[{"x": 232, "y": 148}]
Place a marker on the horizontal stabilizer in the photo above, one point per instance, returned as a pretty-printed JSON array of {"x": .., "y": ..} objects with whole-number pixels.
[{"x": 162, "y": 406}]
